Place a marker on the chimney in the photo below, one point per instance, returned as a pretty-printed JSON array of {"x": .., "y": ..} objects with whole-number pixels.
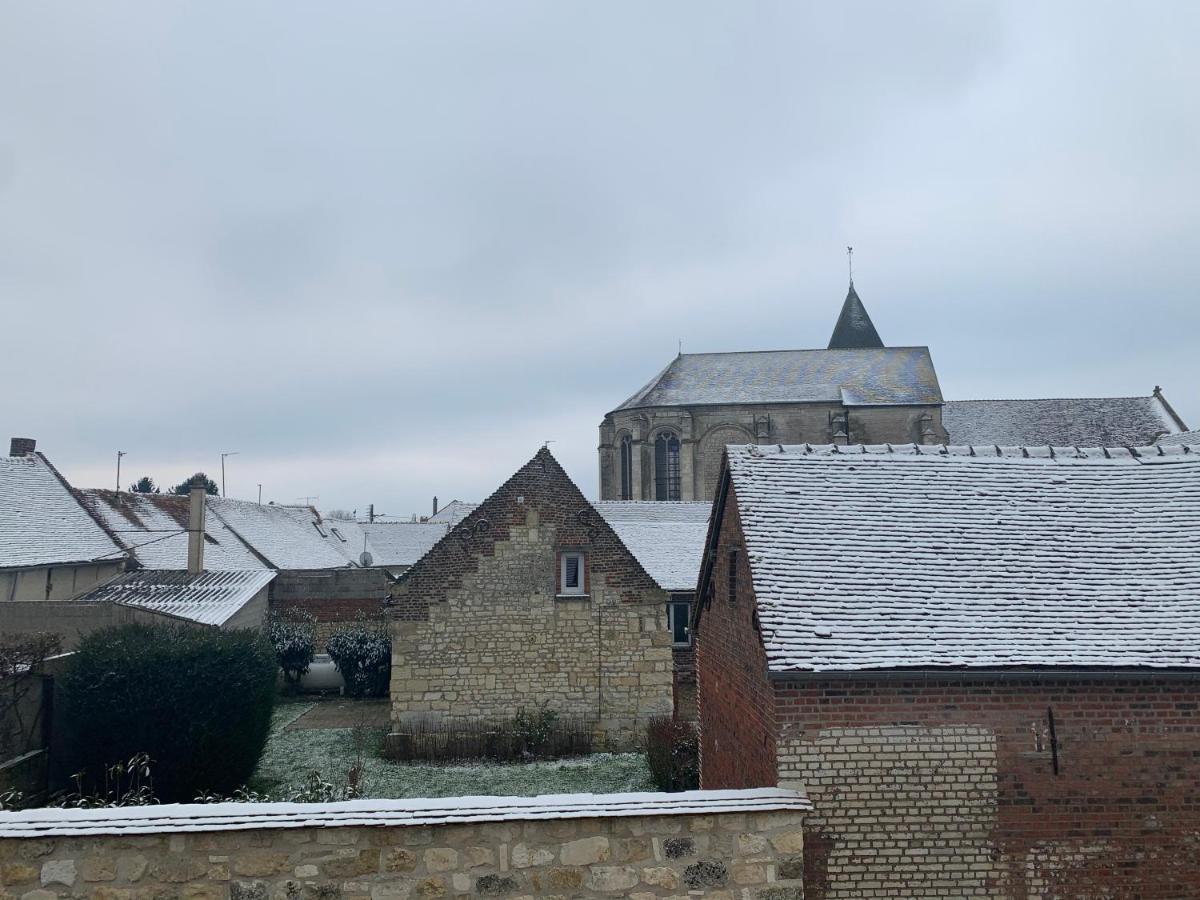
[
  {"x": 196, "y": 509},
  {"x": 435, "y": 506},
  {"x": 21, "y": 446}
]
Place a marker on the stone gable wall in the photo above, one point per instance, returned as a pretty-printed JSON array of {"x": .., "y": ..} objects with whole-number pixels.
[
  {"x": 479, "y": 630},
  {"x": 756, "y": 856},
  {"x": 945, "y": 787}
]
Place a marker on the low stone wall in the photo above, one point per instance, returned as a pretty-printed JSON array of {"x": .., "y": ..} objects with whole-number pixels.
[{"x": 719, "y": 844}]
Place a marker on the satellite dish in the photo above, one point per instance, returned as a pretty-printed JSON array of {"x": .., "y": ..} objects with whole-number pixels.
[{"x": 366, "y": 559}]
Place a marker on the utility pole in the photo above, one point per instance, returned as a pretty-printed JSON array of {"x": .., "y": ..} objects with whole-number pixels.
[
  {"x": 120, "y": 453},
  {"x": 371, "y": 513},
  {"x": 223, "y": 455}
]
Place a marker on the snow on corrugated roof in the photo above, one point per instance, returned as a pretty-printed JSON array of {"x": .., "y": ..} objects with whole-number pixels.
[
  {"x": 286, "y": 538},
  {"x": 185, "y": 817},
  {"x": 210, "y": 598},
  {"x": 667, "y": 538},
  {"x": 881, "y": 558},
  {"x": 1080, "y": 422},
  {"x": 1190, "y": 438},
  {"x": 453, "y": 512},
  {"x": 402, "y": 543},
  {"x": 860, "y": 376},
  {"x": 41, "y": 522},
  {"x": 154, "y": 526}
]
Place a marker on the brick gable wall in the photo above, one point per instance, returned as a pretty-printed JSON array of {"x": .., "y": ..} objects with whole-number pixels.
[
  {"x": 945, "y": 787},
  {"x": 479, "y": 631},
  {"x": 737, "y": 708}
]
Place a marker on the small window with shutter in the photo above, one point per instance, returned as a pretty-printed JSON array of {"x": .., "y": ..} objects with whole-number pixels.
[{"x": 572, "y": 574}]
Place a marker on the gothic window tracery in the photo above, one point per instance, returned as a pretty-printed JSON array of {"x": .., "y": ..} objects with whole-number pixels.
[{"x": 666, "y": 467}]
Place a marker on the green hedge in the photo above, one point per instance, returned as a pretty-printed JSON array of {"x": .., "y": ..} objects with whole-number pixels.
[{"x": 197, "y": 700}]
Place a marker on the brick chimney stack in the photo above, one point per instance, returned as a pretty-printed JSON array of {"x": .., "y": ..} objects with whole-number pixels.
[
  {"x": 197, "y": 506},
  {"x": 21, "y": 446}
]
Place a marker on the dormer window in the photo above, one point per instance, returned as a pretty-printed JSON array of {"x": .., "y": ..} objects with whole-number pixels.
[{"x": 572, "y": 573}]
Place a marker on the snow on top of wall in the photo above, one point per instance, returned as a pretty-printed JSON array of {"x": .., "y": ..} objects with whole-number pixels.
[
  {"x": 449, "y": 810},
  {"x": 883, "y": 558},
  {"x": 41, "y": 522}
]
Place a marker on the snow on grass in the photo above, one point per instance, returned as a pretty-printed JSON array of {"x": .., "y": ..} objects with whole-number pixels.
[{"x": 292, "y": 754}]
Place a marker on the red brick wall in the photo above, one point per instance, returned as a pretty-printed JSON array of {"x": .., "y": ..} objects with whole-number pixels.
[
  {"x": 946, "y": 787},
  {"x": 329, "y": 614},
  {"x": 737, "y": 720}
]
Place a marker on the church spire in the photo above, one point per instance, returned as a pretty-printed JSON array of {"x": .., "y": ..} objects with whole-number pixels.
[{"x": 854, "y": 327}]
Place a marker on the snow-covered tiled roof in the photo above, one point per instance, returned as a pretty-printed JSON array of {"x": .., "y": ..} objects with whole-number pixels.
[
  {"x": 41, "y": 522},
  {"x": 182, "y": 817},
  {"x": 453, "y": 512},
  {"x": 1086, "y": 422},
  {"x": 402, "y": 543},
  {"x": 210, "y": 598},
  {"x": 667, "y": 538},
  {"x": 287, "y": 537},
  {"x": 1190, "y": 438},
  {"x": 154, "y": 527},
  {"x": 900, "y": 557},
  {"x": 881, "y": 376}
]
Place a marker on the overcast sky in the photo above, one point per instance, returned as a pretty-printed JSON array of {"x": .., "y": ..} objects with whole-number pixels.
[{"x": 386, "y": 250}]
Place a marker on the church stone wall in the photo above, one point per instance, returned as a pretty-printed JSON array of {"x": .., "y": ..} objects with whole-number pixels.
[{"x": 704, "y": 431}]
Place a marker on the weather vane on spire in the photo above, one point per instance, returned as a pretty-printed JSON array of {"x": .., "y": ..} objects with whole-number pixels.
[{"x": 850, "y": 263}]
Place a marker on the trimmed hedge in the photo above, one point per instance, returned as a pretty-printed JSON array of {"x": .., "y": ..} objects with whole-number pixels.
[
  {"x": 362, "y": 652},
  {"x": 197, "y": 700}
]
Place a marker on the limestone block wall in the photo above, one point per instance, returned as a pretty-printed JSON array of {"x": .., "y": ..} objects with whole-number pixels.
[
  {"x": 722, "y": 853},
  {"x": 503, "y": 638}
]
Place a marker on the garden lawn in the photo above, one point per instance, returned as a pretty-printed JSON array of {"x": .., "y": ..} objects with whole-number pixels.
[{"x": 293, "y": 753}]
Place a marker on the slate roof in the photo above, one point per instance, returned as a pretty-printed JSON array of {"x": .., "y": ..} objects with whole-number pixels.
[
  {"x": 211, "y": 598},
  {"x": 667, "y": 538},
  {"x": 41, "y": 522},
  {"x": 402, "y": 543},
  {"x": 54, "y": 822},
  {"x": 453, "y": 512},
  {"x": 919, "y": 557},
  {"x": 881, "y": 376},
  {"x": 854, "y": 327},
  {"x": 285, "y": 537},
  {"x": 1085, "y": 422},
  {"x": 154, "y": 527},
  {"x": 1190, "y": 438}
]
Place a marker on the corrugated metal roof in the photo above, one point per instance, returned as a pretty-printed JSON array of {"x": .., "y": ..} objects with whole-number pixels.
[
  {"x": 53, "y": 822},
  {"x": 884, "y": 376},
  {"x": 210, "y": 598},
  {"x": 902, "y": 557},
  {"x": 41, "y": 522}
]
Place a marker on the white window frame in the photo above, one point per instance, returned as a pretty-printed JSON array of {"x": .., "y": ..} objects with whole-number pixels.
[
  {"x": 580, "y": 590},
  {"x": 672, "y": 612}
]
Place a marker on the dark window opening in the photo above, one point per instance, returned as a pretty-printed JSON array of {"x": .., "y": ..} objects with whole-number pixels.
[
  {"x": 666, "y": 467},
  {"x": 626, "y": 468},
  {"x": 732, "y": 577},
  {"x": 678, "y": 620}
]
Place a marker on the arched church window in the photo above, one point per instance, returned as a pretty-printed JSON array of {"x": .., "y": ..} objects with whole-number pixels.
[
  {"x": 626, "y": 467},
  {"x": 666, "y": 467}
]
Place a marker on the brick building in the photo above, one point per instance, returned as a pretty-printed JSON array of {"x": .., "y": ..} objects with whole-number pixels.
[
  {"x": 532, "y": 598},
  {"x": 983, "y": 666}
]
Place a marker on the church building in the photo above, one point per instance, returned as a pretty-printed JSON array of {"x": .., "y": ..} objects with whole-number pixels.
[{"x": 665, "y": 442}]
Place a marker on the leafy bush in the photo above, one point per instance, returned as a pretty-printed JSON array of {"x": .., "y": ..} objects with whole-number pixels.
[
  {"x": 294, "y": 639},
  {"x": 363, "y": 654},
  {"x": 197, "y": 701},
  {"x": 535, "y": 726},
  {"x": 673, "y": 754}
]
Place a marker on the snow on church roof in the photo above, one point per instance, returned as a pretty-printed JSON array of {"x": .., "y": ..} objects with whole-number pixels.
[
  {"x": 1080, "y": 422},
  {"x": 41, "y": 523},
  {"x": 862, "y": 376},
  {"x": 906, "y": 557}
]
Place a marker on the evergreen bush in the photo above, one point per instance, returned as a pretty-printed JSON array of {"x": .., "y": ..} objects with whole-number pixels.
[
  {"x": 293, "y": 636},
  {"x": 673, "y": 754},
  {"x": 197, "y": 701},
  {"x": 362, "y": 652}
]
